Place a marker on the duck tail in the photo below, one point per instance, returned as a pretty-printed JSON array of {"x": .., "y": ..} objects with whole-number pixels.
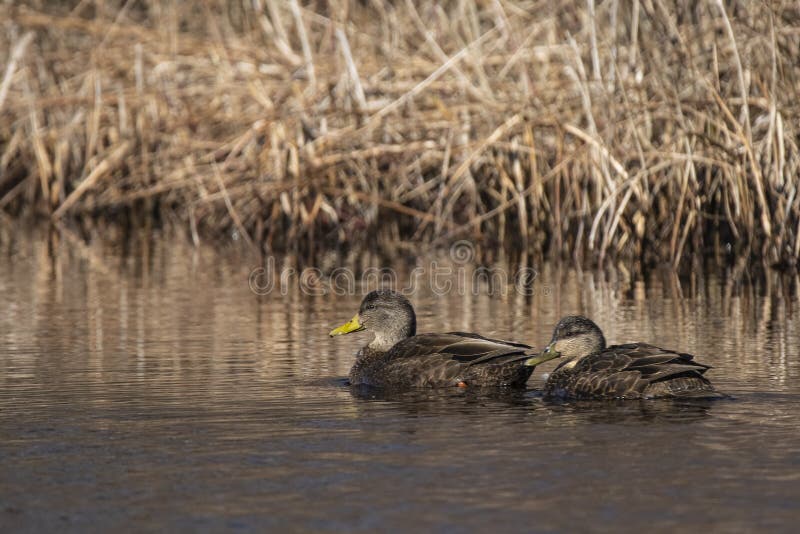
[
  {"x": 700, "y": 394},
  {"x": 684, "y": 387}
]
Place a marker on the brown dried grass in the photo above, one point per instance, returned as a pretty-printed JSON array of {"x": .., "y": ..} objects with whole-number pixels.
[{"x": 648, "y": 131}]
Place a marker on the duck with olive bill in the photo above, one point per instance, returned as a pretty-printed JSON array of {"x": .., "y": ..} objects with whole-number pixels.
[{"x": 592, "y": 370}]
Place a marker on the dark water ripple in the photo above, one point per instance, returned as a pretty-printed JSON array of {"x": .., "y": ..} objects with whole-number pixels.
[{"x": 175, "y": 399}]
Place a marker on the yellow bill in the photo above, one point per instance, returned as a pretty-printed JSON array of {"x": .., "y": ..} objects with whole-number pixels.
[{"x": 350, "y": 326}]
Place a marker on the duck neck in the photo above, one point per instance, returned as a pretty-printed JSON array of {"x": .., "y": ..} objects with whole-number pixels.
[
  {"x": 570, "y": 363},
  {"x": 577, "y": 349},
  {"x": 387, "y": 338}
]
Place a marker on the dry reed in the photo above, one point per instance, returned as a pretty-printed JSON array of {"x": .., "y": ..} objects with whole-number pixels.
[{"x": 648, "y": 131}]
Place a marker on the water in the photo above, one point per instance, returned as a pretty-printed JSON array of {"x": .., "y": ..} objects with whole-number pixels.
[{"x": 155, "y": 391}]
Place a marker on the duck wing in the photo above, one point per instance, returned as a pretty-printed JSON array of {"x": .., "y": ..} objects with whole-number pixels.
[
  {"x": 629, "y": 370},
  {"x": 447, "y": 359},
  {"x": 655, "y": 363},
  {"x": 462, "y": 347}
]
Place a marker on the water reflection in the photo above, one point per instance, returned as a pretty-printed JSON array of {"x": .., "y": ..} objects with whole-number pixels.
[
  {"x": 634, "y": 412},
  {"x": 149, "y": 386},
  {"x": 486, "y": 400},
  {"x": 444, "y": 400}
]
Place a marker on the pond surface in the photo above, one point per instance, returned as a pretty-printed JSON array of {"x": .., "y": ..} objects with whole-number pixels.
[{"x": 156, "y": 391}]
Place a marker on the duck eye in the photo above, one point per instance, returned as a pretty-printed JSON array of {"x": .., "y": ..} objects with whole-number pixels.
[{"x": 370, "y": 307}]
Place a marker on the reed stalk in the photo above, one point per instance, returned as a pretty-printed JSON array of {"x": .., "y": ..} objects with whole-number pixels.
[{"x": 644, "y": 132}]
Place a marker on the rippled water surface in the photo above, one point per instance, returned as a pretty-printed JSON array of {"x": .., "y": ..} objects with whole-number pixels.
[{"x": 155, "y": 390}]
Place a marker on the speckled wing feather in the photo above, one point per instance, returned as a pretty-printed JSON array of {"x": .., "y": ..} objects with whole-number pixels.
[
  {"x": 448, "y": 359},
  {"x": 634, "y": 370},
  {"x": 465, "y": 348}
]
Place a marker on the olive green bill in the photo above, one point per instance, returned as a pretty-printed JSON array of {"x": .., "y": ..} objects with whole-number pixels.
[
  {"x": 350, "y": 326},
  {"x": 549, "y": 353}
]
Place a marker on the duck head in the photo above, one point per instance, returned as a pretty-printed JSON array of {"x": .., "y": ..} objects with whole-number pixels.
[
  {"x": 386, "y": 313},
  {"x": 574, "y": 337}
]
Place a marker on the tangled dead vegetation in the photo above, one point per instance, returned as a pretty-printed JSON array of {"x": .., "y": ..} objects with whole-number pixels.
[{"x": 646, "y": 131}]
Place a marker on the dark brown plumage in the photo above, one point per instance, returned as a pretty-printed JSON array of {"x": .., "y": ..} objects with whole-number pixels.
[
  {"x": 632, "y": 371},
  {"x": 397, "y": 358}
]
